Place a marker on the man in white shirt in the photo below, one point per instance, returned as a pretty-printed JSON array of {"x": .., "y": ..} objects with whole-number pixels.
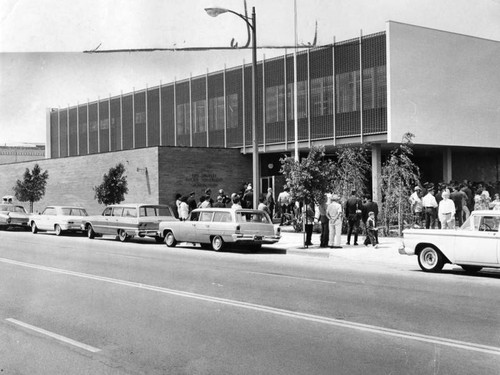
[
  {"x": 430, "y": 207},
  {"x": 284, "y": 203},
  {"x": 334, "y": 215},
  {"x": 446, "y": 211},
  {"x": 416, "y": 206}
]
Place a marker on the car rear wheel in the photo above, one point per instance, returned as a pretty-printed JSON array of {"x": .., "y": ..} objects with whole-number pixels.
[
  {"x": 170, "y": 240},
  {"x": 123, "y": 236},
  {"x": 90, "y": 232},
  {"x": 58, "y": 230},
  {"x": 471, "y": 269},
  {"x": 430, "y": 259},
  {"x": 217, "y": 243},
  {"x": 34, "y": 228}
]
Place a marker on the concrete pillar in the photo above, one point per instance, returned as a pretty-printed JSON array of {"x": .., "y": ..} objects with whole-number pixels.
[
  {"x": 376, "y": 173},
  {"x": 447, "y": 164}
]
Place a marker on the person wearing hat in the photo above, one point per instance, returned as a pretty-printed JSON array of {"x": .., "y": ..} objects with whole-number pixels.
[
  {"x": 334, "y": 215},
  {"x": 416, "y": 205}
]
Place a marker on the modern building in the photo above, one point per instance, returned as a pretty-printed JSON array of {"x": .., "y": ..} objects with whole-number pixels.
[{"x": 442, "y": 87}]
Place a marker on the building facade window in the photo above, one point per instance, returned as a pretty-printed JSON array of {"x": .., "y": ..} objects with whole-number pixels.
[
  {"x": 216, "y": 113},
  {"x": 199, "y": 116},
  {"x": 183, "y": 119},
  {"x": 232, "y": 111},
  {"x": 302, "y": 111},
  {"x": 322, "y": 96},
  {"x": 275, "y": 104},
  {"x": 347, "y": 87},
  {"x": 374, "y": 88}
]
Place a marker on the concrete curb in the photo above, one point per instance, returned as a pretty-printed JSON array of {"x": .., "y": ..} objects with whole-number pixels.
[{"x": 387, "y": 252}]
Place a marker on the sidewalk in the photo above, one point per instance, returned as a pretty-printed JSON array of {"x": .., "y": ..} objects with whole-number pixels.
[{"x": 387, "y": 251}]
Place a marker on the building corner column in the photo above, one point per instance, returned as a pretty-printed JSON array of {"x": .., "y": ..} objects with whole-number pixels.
[
  {"x": 447, "y": 165},
  {"x": 48, "y": 135},
  {"x": 376, "y": 173}
]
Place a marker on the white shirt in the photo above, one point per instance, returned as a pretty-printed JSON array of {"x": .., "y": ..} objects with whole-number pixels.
[
  {"x": 429, "y": 200},
  {"x": 446, "y": 206}
]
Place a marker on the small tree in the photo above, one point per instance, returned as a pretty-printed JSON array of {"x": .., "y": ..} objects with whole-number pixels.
[
  {"x": 32, "y": 188},
  {"x": 113, "y": 187},
  {"x": 309, "y": 179},
  {"x": 399, "y": 175},
  {"x": 352, "y": 167}
]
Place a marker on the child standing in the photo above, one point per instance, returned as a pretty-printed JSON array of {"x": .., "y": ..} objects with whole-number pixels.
[{"x": 371, "y": 230}]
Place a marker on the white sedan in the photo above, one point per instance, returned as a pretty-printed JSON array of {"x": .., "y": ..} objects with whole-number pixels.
[
  {"x": 473, "y": 246},
  {"x": 59, "y": 219}
]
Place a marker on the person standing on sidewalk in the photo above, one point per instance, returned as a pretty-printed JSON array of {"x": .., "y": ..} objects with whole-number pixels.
[
  {"x": 430, "y": 208},
  {"x": 323, "y": 219},
  {"x": 446, "y": 211},
  {"x": 284, "y": 200},
  {"x": 353, "y": 211},
  {"x": 308, "y": 217},
  {"x": 334, "y": 215},
  {"x": 371, "y": 230}
]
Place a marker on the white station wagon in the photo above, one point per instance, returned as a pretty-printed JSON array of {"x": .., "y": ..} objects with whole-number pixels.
[
  {"x": 60, "y": 219},
  {"x": 217, "y": 227},
  {"x": 128, "y": 220},
  {"x": 473, "y": 246}
]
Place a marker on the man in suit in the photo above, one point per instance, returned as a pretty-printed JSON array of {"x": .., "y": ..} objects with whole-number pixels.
[{"x": 353, "y": 212}]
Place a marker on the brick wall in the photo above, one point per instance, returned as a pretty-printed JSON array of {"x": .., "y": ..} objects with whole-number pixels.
[
  {"x": 185, "y": 169},
  {"x": 169, "y": 170}
]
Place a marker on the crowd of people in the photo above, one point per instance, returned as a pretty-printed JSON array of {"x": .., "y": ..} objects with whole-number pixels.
[
  {"x": 184, "y": 204},
  {"x": 447, "y": 205},
  {"x": 442, "y": 206}
]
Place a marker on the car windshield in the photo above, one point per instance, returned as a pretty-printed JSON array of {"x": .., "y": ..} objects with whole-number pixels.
[
  {"x": 154, "y": 211},
  {"x": 74, "y": 211},
  {"x": 252, "y": 217},
  {"x": 12, "y": 208},
  {"x": 482, "y": 223}
]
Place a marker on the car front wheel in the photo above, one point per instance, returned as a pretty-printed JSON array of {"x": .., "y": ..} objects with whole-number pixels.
[
  {"x": 90, "y": 232},
  {"x": 58, "y": 230},
  {"x": 217, "y": 243},
  {"x": 170, "y": 240},
  {"x": 430, "y": 259},
  {"x": 34, "y": 228}
]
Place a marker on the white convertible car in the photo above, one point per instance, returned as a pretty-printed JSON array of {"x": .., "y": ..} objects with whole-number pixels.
[{"x": 473, "y": 246}]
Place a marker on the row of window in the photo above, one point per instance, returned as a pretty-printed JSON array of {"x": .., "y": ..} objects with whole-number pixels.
[{"x": 347, "y": 88}]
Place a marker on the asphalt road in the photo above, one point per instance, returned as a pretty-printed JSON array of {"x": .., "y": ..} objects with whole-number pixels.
[{"x": 70, "y": 305}]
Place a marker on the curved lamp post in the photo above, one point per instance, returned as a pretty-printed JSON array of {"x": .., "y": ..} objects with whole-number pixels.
[{"x": 251, "y": 22}]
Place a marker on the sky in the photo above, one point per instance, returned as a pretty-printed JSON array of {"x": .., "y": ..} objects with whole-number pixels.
[{"x": 42, "y": 64}]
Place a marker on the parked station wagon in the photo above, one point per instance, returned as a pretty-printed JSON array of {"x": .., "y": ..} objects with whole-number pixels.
[
  {"x": 476, "y": 244},
  {"x": 128, "y": 220},
  {"x": 60, "y": 219},
  {"x": 216, "y": 227},
  {"x": 13, "y": 216}
]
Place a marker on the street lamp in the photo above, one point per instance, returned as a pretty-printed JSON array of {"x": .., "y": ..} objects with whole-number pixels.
[{"x": 251, "y": 22}]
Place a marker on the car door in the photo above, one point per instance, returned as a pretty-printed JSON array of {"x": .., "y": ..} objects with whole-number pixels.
[
  {"x": 480, "y": 243},
  {"x": 101, "y": 223},
  {"x": 203, "y": 228},
  {"x": 45, "y": 221}
]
